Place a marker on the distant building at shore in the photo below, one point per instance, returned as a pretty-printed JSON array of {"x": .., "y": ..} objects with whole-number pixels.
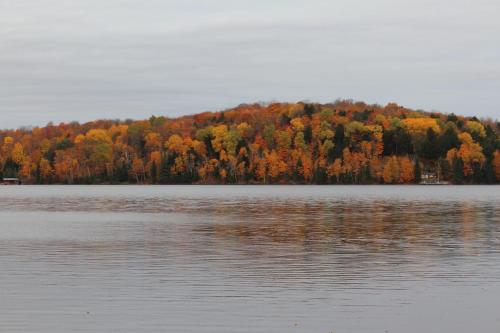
[
  {"x": 11, "y": 181},
  {"x": 430, "y": 178}
]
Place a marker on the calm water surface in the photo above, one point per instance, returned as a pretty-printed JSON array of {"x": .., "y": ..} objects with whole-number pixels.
[{"x": 250, "y": 259}]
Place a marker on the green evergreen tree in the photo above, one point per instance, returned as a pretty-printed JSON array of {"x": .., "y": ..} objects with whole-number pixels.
[
  {"x": 154, "y": 174},
  {"x": 164, "y": 171},
  {"x": 309, "y": 110},
  {"x": 417, "y": 171},
  {"x": 121, "y": 173},
  {"x": 430, "y": 146},
  {"x": 296, "y": 175},
  {"x": 447, "y": 141},
  {"x": 308, "y": 134},
  {"x": 489, "y": 172},
  {"x": 458, "y": 171},
  {"x": 478, "y": 173},
  {"x": 339, "y": 141}
]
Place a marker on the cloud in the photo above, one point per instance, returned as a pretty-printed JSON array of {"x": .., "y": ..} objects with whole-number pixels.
[{"x": 83, "y": 60}]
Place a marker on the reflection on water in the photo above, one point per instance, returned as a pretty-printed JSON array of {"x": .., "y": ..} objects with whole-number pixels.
[{"x": 250, "y": 259}]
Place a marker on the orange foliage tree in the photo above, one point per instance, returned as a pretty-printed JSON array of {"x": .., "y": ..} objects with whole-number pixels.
[{"x": 341, "y": 142}]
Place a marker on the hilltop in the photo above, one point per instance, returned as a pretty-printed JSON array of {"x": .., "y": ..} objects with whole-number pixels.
[{"x": 281, "y": 143}]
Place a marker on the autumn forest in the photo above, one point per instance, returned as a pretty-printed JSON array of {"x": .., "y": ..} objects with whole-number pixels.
[{"x": 344, "y": 142}]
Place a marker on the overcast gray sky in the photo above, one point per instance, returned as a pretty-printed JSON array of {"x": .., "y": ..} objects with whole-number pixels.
[{"x": 81, "y": 60}]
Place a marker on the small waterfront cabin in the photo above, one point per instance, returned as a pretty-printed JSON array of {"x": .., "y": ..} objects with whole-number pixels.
[
  {"x": 11, "y": 181},
  {"x": 429, "y": 178}
]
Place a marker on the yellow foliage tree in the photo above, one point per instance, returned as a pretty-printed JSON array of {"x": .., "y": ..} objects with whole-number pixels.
[
  {"x": 18, "y": 153},
  {"x": 406, "y": 170},
  {"x": 475, "y": 127},
  {"x": 419, "y": 126},
  {"x": 391, "y": 171}
]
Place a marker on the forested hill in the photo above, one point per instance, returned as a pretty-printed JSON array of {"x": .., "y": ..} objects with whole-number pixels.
[{"x": 344, "y": 142}]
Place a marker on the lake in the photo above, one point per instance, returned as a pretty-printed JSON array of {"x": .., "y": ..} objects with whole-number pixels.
[{"x": 250, "y": 259}]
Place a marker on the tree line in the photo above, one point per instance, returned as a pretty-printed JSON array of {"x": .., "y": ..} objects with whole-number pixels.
[{"x": 344, "y": 142}]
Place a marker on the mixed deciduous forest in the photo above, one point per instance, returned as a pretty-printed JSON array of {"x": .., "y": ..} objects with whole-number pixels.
[{"x": 344, "y": 142}]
